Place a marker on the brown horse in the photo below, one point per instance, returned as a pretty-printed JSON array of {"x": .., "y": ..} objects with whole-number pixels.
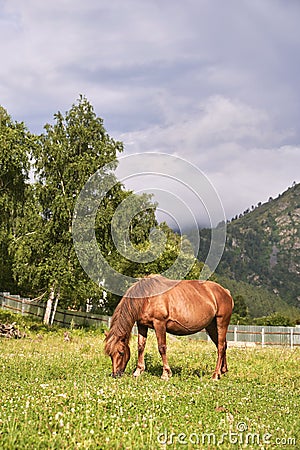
[{"x": 177, "y": 307}]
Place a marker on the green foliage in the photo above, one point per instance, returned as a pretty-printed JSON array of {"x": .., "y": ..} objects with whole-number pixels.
[
  {"x": 259, "y": 301},
  {"x": 236, "y": 319},
  {"x": 175, "y": 248},
  {"x": 37, "y": 249},
  {"x": 240, "y": 306},
  {"x": 276, "y": 319},
  {"x": 69, "y": 151},
  {"x": 27, "y": 325},
  {"x": 15, "y": 145}
]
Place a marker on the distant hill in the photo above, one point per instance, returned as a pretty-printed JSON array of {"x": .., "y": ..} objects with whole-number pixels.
[
  {"x": 260, "y": 301},
  {"x": 263, "y": 246}
]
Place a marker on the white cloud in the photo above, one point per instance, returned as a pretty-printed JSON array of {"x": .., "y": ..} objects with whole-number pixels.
[
  {"x": 217, "y": 120},
  {"x": 229, "y": 142},
  {"x": 214, "y": 82}
]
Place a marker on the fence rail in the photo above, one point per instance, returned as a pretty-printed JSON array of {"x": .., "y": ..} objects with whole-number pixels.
[
  {"x": 237, "y": 334},
  {"x": 65, "y": 318}
]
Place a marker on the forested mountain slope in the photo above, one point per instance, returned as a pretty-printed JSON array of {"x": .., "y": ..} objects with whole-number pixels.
[{"x": 263, "y": 246}]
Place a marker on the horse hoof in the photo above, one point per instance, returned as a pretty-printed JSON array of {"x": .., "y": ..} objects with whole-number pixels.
[
  {"x": 216, "y": 376},
  {"x": 137, "y": 373},
  {"x": 117, "y": 374},
  {"x": 166, "y": 376}
]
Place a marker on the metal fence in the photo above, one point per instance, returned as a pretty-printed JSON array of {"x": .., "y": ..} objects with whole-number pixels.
[
  {"x": 242, "y": 335},
  {"x": 252, "y": 335}
]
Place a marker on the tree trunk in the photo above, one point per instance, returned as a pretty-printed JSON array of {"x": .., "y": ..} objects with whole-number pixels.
[
  {"x": 49, "y": 307},
  {"x": 55, "y": 307}
]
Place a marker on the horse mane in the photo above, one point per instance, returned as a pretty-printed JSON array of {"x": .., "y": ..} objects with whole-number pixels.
[
  {"x": 131, "y": 306},
  {"x": 150, "y": 286}
]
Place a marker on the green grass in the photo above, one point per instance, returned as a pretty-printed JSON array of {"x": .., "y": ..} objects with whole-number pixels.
[{"x": 59, "y": 395}]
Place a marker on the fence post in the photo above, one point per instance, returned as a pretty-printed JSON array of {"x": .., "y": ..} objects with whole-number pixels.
[
  {"x": 263, "y": 337},
  {"x": 235, "y": 334},
  {"x": 292, "y": 338}
]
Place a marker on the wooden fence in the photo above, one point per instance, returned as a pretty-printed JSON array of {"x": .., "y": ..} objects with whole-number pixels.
[
  {"x": 242, "y": 335},
  {"x": 64, "y": 318}
]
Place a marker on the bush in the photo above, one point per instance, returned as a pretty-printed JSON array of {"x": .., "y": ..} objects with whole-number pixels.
[{"x": 276, "y": 320}]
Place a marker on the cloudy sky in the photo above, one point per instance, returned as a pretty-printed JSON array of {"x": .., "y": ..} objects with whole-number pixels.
[{"x": 213, "y": 82}]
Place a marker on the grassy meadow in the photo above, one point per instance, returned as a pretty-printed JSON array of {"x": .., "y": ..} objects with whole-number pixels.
[{"x": 58, "y": 394}]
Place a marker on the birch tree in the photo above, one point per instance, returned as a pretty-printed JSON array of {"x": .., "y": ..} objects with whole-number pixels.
[{"x": 70, "y": 150}]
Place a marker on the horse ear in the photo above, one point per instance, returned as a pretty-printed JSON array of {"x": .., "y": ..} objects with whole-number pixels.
[{"x": 106, "y": 333}]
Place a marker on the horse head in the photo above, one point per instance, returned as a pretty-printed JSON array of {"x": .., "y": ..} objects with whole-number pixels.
[{"x": 119, "y": 351}]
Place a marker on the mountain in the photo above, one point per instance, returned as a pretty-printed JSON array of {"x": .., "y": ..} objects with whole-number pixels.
[{"x": 263, "y": 246}]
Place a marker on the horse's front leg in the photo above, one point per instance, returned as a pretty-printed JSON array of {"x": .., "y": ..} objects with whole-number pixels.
[
  {"x": 160, "y": 331},
  {"x": 142, "y": 338}
]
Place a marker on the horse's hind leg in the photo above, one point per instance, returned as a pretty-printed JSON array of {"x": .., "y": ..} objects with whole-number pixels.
[
  {"x": 224, "y": 367},
  {"x": 217, "y": 332},
  {"x": 142, "y": 338}
]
